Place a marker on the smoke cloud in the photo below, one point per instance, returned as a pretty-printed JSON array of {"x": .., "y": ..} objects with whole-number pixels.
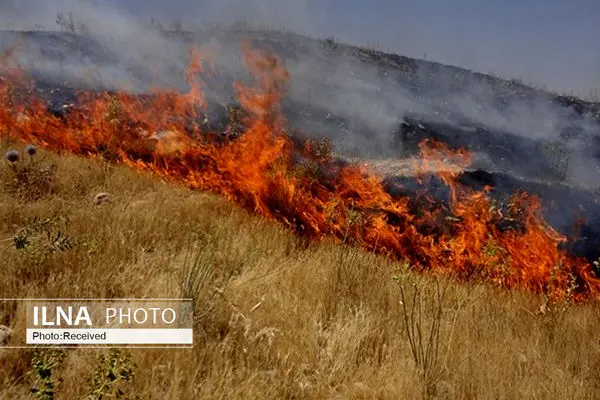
[{"x": 358, "y": 104}]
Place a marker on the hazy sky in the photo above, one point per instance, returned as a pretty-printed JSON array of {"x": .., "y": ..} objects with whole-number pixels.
[{"x": 551, "y": 43}]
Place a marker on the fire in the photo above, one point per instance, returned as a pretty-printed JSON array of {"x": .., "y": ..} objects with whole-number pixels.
[{"x": 265, "y": 171}]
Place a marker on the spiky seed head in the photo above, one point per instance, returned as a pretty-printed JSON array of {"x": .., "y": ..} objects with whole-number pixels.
[
  {"x": 12, "y": 156},
  {"x": 31, "y": 150}
]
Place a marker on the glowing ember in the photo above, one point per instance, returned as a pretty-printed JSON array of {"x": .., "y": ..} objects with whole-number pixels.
[{"x": 315, "y": 195}]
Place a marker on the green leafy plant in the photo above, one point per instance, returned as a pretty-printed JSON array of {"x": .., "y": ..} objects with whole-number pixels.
[
  {"x": 38, "y": 241},
  {"x": 47, "y": 234},
  {"x": 44, "y": 363},
  {"x": 114, "y": 369}
]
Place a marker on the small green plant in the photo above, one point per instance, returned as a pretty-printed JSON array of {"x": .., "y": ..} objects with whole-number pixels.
[
  {"x": 38, "y": 242},
  {"x": 44, "y": 364},
  {"x": 114, "y": 370},
  {"x": 47, "y": 234}
]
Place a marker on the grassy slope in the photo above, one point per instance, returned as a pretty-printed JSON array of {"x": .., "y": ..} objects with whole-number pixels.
[{"x": 286, "y": 320}]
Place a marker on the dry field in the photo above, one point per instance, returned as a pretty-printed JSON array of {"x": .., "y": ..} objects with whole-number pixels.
[{"x": 275, "y": 318}]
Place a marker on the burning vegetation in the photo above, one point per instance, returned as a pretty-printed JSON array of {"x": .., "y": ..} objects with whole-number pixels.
[{"x": 258, "y": 163}]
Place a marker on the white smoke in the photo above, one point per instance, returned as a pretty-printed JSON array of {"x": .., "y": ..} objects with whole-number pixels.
[{"x": 124, "y": 51}]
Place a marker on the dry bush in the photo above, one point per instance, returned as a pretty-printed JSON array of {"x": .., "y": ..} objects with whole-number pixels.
[{"x": 424, "y": 337}]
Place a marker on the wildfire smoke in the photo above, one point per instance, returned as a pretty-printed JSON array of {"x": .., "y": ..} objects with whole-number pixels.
[{"x": 265, "y": 170}]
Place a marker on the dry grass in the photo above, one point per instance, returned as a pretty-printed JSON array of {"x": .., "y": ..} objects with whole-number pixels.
[{"x": 275, "y": 319}]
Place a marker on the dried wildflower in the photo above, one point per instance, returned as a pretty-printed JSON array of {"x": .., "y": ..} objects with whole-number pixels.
[
  {"x": 12, "y": 156},
  {"x": 31, "y": 150}
]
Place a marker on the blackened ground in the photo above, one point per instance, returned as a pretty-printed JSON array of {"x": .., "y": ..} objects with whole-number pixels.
[{"x": 563, "y": 206}]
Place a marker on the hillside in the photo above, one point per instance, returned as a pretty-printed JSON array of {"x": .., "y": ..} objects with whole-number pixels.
[
  {"x": 332, "y": 202},
  {"x": 277, "y": 319}
]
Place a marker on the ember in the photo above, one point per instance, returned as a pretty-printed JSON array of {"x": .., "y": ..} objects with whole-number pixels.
[{"x": 467, "y": 236}]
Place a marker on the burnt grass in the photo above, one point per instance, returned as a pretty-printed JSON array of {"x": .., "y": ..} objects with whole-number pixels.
[{"x": 513, "y": 161}]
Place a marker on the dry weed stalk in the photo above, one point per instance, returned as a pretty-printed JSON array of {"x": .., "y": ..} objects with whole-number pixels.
[{"x": 424, "y": 339}]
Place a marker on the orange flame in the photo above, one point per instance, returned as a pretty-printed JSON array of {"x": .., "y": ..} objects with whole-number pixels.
[{"x": 318, "y": 199}]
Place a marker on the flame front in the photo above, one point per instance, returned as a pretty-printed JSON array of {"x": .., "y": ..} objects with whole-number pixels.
[{"x": 265, "y": 171}]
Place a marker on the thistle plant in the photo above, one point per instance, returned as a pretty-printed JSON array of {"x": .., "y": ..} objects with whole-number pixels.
[
  {"x": 31, "y": 150},
  {"x": 12, "y": 156},
  {"x": 32, "y": 179}
]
